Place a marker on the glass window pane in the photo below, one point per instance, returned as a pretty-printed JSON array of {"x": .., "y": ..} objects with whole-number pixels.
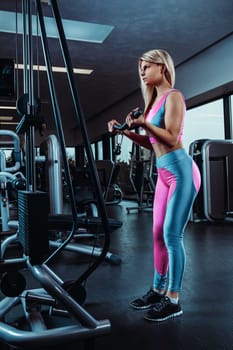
[
  {"x": 125, "y": 146},
  {"x": 93, "y": 150},
  {"x": 8, "y": 153},
  {"x": 204, "y": 122},
  {"x": 231, "y": 101},
  {"x": 100, "y": 150},
  {"x": 70, "y": 153}
]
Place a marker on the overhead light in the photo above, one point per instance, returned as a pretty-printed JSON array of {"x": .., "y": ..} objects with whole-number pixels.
[
  {"x": 74, "y": 30},
  {"x": 6, "y": 118},
  {"x": 56, "y": 69},
  {"x": 8, "y": 123},
  {"x": 83, "y": 71},
  {"x": 7, "y": 107}
]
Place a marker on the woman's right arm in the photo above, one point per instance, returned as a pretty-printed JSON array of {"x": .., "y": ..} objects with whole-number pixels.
[{"x": 141, "y": 140}]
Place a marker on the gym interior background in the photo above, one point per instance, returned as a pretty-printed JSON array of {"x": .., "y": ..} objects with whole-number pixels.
[{"x": 104, "y": 42}]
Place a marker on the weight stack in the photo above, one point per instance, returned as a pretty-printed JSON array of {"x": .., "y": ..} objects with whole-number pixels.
[{"x": 33, "y": 208}]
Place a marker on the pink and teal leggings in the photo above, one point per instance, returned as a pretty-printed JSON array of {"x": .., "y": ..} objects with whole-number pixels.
[{"x": 177, "y": 186}]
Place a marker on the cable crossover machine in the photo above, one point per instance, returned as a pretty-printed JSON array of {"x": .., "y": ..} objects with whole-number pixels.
[{"x": 57, "y": 296}]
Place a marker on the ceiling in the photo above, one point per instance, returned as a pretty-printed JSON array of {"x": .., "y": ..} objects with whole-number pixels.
[{"x": 182, "y": 27}]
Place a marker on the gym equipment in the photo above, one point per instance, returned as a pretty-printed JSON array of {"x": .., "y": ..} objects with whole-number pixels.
[
  {"x": 16, "y": 153},
  {"x": 53, "y": 293},
  {"x": 196, "y": 152},
  {"x": 90, "y": 221},
  {"x": 52, "y": 169},
  {"x": 143, "y": 175},
  {"x": 37, "y": 120},
  {"x": 13, "y": 283},
  {"x": 215, "y": 199},
  {"x": 108, "y": 172},
  {"x": 217, "y": 179},
  {"x": 51, "y": 182},
  {"x": 17, "y": 180}
]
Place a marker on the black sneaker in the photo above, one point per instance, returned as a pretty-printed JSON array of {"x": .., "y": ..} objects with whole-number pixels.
[
  {"x": 147, "y": 301},
  {"x": 163, "y": 310}
]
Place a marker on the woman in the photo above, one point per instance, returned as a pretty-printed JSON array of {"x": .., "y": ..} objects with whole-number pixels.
[{"x": 177, "y": 184}]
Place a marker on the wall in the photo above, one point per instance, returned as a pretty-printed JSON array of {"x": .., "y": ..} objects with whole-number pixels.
[
  {"x": 204, "y": 77},
  {"x": 207, "y": 75},
  {"x": 98, "y": 125}
]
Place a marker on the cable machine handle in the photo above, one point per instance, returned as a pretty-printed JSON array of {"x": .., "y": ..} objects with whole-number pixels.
[{"x": 136, "y": 114}]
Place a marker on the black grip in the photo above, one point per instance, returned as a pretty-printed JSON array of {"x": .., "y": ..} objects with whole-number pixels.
[{"x": 136, "y": 114}]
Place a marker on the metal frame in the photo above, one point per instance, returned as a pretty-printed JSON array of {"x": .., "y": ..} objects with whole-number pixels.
[{"x": 54, "y": 292}]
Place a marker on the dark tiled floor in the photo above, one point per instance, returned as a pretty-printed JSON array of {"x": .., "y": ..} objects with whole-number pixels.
[{"x": 207, "y": 296}]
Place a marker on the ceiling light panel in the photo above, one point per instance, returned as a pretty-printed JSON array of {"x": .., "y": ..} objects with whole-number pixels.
[
  {"x": 74, "y": 30},
  {"x": 8, "y": 123},
  {"x": 6, "y": 118},
  {"x": 7, "y": 107},
  {"x": 56, "y": 69}
]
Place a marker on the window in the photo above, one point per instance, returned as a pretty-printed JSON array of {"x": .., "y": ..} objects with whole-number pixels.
[
  {"x": 125, "y": 147},
  {"x": 93, "y": 150},
  {"x": 8, "y": 153},
  {"x": 204, "y": 122},
  {"x": 100, "y": 150},
  {"x": 97, "y": 149},
  {"x": 231, "y": 112},
  {"x": 70, "y": 154}
]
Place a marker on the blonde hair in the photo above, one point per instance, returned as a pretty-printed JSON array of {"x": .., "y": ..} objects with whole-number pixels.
[{"x": 158, "y": 56}]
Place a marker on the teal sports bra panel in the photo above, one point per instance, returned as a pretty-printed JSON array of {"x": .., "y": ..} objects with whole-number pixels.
[{"x": 156, "y": 117}]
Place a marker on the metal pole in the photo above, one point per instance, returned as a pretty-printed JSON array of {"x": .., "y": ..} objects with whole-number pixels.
[
  {"x": 57, "y": 118},
  {"x": 29, "y": 90},
  {"x": 81, "y": 123}
]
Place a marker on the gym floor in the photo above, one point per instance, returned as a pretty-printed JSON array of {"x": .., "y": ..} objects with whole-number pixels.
[{"x": 206, "y": 298}]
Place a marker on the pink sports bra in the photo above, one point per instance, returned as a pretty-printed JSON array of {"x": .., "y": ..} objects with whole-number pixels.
[{"x": 156, "y": 117}]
